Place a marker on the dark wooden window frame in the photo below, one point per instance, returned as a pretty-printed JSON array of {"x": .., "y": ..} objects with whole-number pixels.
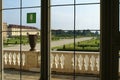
[
  {"x": 1, "y": 58},
  {"x": 110, "y": 39}
]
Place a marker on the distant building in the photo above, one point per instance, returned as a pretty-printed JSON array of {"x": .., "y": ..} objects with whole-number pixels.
[
  {"x": 4, "y": 29},
  {"x": 17, "y": 30}
]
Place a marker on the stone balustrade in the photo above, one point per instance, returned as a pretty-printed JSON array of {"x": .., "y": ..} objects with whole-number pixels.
[
  {"x": 62, "y": 61},
  {"x": 82, "y": 62},
  {"x": 20, "y": 60}
]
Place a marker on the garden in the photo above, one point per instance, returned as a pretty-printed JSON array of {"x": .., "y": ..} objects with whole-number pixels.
[
  {"x": 17, "y": 40},
  {"x": 88, "y": 45}
]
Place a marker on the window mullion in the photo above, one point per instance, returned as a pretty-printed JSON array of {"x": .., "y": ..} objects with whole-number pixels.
[
  {"x": 45, "y": 40},
  {"x": 1, "y": 43}
]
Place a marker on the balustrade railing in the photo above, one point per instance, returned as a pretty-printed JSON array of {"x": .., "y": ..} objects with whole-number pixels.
[
  {"x": 84, "y": 62},
  {"x": 62, "y": 61},
  {"x": 27, "y": 59}
]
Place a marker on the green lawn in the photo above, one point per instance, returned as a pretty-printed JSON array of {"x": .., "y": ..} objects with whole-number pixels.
[{"x": 88, "y": 45}]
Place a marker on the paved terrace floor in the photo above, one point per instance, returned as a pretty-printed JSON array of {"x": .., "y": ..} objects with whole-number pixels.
[{"x": 15, "y": 75}]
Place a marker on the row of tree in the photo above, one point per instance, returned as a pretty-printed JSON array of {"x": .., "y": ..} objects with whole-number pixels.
[{"x": 70, "y": 33}]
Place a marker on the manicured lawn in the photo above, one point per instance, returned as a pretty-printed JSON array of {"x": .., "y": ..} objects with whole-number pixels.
[{"x": 88, "y": 45}]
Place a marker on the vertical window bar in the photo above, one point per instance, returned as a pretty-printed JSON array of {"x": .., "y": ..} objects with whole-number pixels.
[
  {"x": 20, "y": 40},
  {"x": 109, "y": 52},
  {"x": 1, "y": 43},
  {"x": 74, "y": 37},
  {"x": 105, "y": 46},
  {"x": 45, "y": 40}
]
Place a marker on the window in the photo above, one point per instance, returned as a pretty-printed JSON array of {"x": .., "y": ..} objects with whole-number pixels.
[
  {"x": 74, "y": 27},
  {"x": 75, "y": 34},
  {"x": 20, "y": 58}
]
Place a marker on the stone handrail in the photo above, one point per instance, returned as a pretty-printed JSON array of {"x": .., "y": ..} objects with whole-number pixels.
[{"x": 61, "y": 61}]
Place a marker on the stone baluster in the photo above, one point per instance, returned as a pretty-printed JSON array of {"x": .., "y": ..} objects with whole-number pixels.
[
  {"x": 6, "y": 58},
  {"x": 86, "y": 62},
  {"x": 39, "y": 60},
  {"x": 92, "y": 62},
  {"x": 52, "y": 60},
  {"x": 14, "y": 58},
  {"x": 56, "y": 60},
  {"x": 18, "y": 59},
  {"x": 80, "y": 62},
  {"x": 74, "y": 63},
  {"x": 62, "y": 58},
  {"x": 98, "y": 63},
  {"x": 10, "y": 58},
  {"x": 23, "y": 59}
]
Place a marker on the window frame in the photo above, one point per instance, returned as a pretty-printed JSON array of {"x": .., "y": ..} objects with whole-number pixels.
[
  {"x": 1, "y": 55},
  {"x": 109, "y": 33},
  {"x": 109, "y": 24}
]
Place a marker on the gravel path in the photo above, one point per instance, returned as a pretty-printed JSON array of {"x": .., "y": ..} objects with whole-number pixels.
[
  {"x": 67, "y": 41},
  {"x": 53, "y": 44}
]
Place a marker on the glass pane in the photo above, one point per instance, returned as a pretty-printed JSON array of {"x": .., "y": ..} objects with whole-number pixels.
[
  {"x": 56, "y": 2},
  {"x": 31, "y": 3},
  {"x": 87, "y": 57},
  {"x": 11, "y": 44},
  {"x": 36, "y": 19},
  {"x": 59, "y": 16},
  {"x": 30, "y": 44},
  {"x": 11, "y": 53},
  {"x": 87, "y": 1},
  {"x": 62, "y": 25},
  {"x": 11, "y": 3},
  {"x": 88, "y": 46},
  {"x": 30, "y": 55},
  {"x": 19, "y": 57},
  {"x": 10, "y": 19},
  {"x": 88, "y": 17}
]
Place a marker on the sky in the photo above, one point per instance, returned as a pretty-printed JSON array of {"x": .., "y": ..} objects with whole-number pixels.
[{"x": 62, "y": 17}]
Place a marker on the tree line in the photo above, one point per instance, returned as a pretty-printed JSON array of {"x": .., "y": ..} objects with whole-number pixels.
[{"x": 77, "y": 33}]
